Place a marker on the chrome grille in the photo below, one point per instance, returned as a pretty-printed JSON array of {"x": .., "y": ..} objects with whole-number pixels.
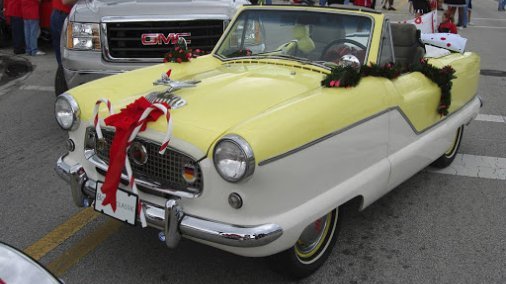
[
  {"x": 124, "y": 38},
  {"x": 165, "y": 170}
]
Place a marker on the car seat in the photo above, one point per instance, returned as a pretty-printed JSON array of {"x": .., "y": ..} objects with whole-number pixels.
[{"x": 408, "y": 48}]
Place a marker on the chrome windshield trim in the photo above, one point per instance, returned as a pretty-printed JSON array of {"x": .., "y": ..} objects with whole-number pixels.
[{"x": 332, "y": 10}]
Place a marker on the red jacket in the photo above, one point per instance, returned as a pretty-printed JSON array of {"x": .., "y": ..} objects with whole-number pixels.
[
  {"x": 363, "y": 3},
  {"x": 447, "y": 27},
  {"x": 58, "y": 5},
  {"x": 13, "y": 8},
  {"x": 30, "y": 9}
]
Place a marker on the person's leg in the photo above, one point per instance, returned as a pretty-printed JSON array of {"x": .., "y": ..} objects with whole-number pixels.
[
  {"x": 28, "y": 40},
  {"x": 35, "y": 35},
  {"x": 391, "y": 5},
  {"x": 464, "y": 14},
  {"x": 469, "y": 10},
  {"x": 18, "y": 35},
  {"x": 57, "y": 21}
]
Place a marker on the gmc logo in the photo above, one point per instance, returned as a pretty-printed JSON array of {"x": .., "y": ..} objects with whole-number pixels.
[{"x": 157, "y": 39}]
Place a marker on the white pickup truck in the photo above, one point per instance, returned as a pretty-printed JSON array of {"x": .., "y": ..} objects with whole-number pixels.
[{"x": 104, "y": 37}]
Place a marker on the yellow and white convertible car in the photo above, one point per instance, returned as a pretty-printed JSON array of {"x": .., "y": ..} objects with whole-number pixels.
[{"x": 268, "y": 136}]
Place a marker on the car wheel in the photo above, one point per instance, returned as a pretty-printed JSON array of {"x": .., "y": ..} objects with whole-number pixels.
[
  {"x": 311, "y": 250},
  {"x": 447, "y": 158},
  {"x": 60, "y": 85}
]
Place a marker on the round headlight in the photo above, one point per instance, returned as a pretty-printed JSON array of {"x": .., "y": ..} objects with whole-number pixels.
[
  {"x": 233, "y": 158},
  {"x": 66, "y": 112}
]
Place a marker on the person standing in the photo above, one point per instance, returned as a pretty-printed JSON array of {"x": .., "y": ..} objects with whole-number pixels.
[
  {"x": 452, "y": 7},
  {"x": 502, "y": 3},
  {"x": 30, "y": 9},
  {"x": 447, "y": 25},
  {"x": 13, "y": 10},
  {"x": 58, "y": 16},
  {"x": 390, "y": 5}
]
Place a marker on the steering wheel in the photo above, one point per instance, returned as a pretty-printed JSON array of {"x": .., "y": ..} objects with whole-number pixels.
[{"x": 340, "y": 42}]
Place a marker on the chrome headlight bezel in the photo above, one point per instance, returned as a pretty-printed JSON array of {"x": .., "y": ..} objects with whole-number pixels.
[
  {"x": 74, "y": 109},
  {"x": 83, "y": 36},
  {"x": 247, "y": 156}
]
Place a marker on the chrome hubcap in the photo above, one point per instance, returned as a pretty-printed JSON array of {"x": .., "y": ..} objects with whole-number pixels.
[{"x": 312, "y": 235}]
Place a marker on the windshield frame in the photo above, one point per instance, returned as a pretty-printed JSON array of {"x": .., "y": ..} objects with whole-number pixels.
[{"x": 329, "y": 10}]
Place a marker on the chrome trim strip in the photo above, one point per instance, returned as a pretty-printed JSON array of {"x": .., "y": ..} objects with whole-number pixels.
[
  {"x": 97, "y": 162},
  {"x": 99, "y": 72},
  {"x": 163, "y": 18},
  {"x": 332, "y": 134},
  {"x": 175, "y": 223}
]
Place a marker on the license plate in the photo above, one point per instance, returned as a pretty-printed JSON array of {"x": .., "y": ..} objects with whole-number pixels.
[{"x": 126, "y": 205}]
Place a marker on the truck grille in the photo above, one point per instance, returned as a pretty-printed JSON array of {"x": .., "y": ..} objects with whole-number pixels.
[
  {"x": 124, "y": 38},
  {"x": 165, "y": 169}
]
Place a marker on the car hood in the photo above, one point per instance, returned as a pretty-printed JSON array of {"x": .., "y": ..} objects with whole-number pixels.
[
  {"x": 227, "y": 96},
  {"x": 96, "y": 10}
]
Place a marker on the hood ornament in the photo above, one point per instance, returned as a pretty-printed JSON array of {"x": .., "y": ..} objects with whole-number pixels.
[
  {"x": 168, "y": 96},
  {"x": 174, "y": 85}
]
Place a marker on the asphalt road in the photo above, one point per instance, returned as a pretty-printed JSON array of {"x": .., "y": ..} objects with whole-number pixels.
[{"x": 434, "y": 228}]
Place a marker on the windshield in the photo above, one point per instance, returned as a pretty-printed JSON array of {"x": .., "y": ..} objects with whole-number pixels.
[{"x": 299, "y": 35}]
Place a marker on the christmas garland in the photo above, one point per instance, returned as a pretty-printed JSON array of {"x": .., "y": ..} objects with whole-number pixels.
[
  {"x": 181, "y": 53},
  {"x": 347, "y": 76}
]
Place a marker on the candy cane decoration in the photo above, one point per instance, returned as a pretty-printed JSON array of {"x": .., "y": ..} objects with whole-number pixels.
[
  {"x": 128, "y": 167},
  {"x": 96, "y": 121}
]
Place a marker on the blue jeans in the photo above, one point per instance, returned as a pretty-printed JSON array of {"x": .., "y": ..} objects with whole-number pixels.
[
  {"x": 32, "y": 31},
  {"x": 463, "y": 11},
  {"x": 18, "y": 33},
  {"x": 501, "y": 5},
  {"x": 57, "y": 21}
]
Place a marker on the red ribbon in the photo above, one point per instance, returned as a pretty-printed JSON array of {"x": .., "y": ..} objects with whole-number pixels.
[{"x": 125, "y": 122}]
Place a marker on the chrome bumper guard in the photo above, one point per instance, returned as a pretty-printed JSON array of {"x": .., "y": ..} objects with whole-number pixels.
[{"x": 172, "y": 219}]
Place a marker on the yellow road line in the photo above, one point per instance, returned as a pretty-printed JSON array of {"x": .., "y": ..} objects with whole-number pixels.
[
  {"x": 69, "y": 258},
  {"x": 61, "y": 233}
]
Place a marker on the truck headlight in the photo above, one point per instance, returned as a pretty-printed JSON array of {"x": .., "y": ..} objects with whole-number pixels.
[
  {"x": 83, "y": 36},
  {"x": 66, "y": 112},
  {"x": 233, "y": 158}
]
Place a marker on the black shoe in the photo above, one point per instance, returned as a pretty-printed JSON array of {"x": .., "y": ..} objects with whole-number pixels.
[
  {"x": 384, "y": 7},
  {"x": 19, "y": 51},
  {"x": 392, "y": 9}
]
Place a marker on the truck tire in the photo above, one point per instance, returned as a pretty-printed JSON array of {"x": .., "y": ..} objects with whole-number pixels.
[{"x": 60, "y": 85}]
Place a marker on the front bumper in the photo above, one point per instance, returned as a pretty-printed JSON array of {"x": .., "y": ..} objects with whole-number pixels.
[
  {"x": 80, "y": 67},
  {"x": 171, "y": 218}
]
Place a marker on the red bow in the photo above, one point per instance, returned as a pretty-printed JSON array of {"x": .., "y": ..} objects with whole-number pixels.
[{"x": 125, "y": 122}]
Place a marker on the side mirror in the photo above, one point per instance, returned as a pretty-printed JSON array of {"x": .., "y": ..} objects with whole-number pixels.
[{"x": 17, "y": 267}]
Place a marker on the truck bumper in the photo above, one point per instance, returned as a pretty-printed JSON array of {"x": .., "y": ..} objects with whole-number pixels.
[
  {"x": 80, "y": 66},
  {"x": 171, "y": 217}
]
